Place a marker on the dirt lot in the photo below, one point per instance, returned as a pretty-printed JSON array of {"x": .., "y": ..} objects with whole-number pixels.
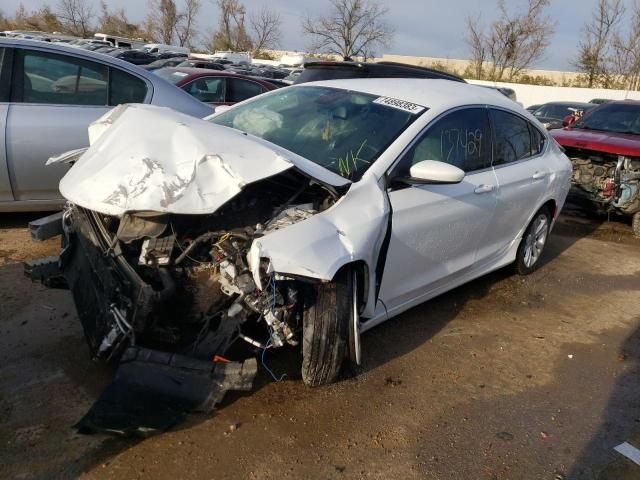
[{"x": 504, "y": 378}]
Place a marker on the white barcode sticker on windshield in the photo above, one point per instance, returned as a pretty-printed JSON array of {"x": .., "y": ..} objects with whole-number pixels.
[{"x": 399, "y": 104}]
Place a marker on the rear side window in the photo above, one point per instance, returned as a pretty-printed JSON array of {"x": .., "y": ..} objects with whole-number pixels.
[
  {"x": 59, "y": 79},
  {"x": 537, "y": 141},
  {"x": 207, "y": 89},
  {"x": 239, "y": 90},
  {"x": 125, "y": 88},
  {"x": 512, "y": 137},
  {"x": 461, "y": 138}
]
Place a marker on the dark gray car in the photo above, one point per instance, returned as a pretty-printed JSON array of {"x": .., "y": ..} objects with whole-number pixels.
[{"x": 49, "y": 94}]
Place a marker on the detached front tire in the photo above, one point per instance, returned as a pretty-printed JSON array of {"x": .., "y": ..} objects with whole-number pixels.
[
  {"x": 533, "y": 243},
  {"x": 326, "y": 330}
]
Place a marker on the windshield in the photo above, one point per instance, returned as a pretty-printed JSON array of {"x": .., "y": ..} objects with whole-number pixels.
[
  {"x": 172, "y": 76},
  {"x": 341, "y": 130},
  {"x": 560, "y": 111},
  {"x": 612, "y": 117}
]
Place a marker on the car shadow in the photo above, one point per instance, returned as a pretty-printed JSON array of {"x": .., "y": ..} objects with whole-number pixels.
[
  {"x": 620, "y": 423},
  {"x": 388, "y": 341}
]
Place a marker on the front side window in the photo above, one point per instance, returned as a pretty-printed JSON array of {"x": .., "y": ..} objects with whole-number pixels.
[
  {"x": 207, "y": 89},
  {"x": 239, "y": 90},
  {"x": 461, "y": 138},
  {"x": 125, "y": 88},
  {"x": 512, "y": 137},
  {"x": 59, "y": 79},
  {"x": 341, "y": 130}
]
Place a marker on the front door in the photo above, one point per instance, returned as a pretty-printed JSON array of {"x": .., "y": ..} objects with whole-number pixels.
[{"x": 437, "y": 229}]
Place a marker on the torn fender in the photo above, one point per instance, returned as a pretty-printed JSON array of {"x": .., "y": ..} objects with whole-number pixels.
[
  {"x": 147, "y": 158},
  {"x": 319, "y": 246}
]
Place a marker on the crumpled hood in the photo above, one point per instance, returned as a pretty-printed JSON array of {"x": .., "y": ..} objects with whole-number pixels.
[{"x": 147, "y": 158}]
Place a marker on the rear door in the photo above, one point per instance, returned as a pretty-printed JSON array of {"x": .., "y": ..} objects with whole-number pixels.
[
  {"x": 54, "y": 98},
  {"x": 523, "y": 176},
  {"x": 5, "y": 78}
]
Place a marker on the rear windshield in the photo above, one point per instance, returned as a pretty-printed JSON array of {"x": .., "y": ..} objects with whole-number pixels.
[
  {"x": 341, "y": 130},
  {"x": 612, "y": 117},
  {"x": 559, "y": 111},
  {"x": 171, "y": 76}
]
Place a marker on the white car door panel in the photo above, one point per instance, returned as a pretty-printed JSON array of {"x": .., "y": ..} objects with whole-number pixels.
[{"x": 436, "y": 231}]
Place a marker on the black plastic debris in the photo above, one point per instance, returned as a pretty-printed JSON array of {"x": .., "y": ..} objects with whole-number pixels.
[{"x": 152, "y": 391}]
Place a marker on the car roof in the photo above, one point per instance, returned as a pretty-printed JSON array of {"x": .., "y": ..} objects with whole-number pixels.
[
  {"x": 431, "y": 93},
  {"x": 385, "y": 66},
  {"x": 77, "y": 52},
  {"x": 193, "y": 73},
  {"x": 569, "y": 104}
]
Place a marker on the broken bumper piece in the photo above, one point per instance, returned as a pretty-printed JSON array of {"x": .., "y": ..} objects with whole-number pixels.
[{"x": 153, "y": 390}]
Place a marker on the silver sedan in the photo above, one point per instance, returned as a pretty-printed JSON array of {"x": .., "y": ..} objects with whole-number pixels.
[{"x": 49, "y": 94}]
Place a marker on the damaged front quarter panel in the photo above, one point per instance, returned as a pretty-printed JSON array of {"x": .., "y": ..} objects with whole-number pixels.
[{"x": 318, "y": 247}]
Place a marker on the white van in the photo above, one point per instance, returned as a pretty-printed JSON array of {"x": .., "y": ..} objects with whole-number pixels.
[
  {"x": 235, "y": 57},
  {"x": 162, "y": 48},
  {"x": 119, "y": 42}
]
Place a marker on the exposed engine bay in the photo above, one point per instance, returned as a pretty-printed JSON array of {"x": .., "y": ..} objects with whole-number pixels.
[
  {"x": 611, "y": 181},
  {"x": 195, "y": 292}
]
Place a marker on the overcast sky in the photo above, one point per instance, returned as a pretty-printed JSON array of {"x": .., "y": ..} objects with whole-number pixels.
[{"x": 423, "y": 27}]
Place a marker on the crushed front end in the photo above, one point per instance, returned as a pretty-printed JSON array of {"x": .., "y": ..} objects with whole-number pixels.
[
  {"x": 610, "y": 181},
  {"x": 181, "y": 285}
]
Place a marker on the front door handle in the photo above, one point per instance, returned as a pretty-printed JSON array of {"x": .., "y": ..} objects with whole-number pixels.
[
  {"x": 539, "y": 175},
  {"x": 484, "y": 188}
]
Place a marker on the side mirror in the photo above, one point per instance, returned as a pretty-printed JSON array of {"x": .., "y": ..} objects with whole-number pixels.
[{"x": 432, "y": 171}]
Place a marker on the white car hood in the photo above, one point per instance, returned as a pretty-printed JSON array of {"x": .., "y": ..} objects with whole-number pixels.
[{"x": 147, "y": 158}]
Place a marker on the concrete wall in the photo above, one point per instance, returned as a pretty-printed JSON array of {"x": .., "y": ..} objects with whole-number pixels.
[{"x": 534, "y": 94}]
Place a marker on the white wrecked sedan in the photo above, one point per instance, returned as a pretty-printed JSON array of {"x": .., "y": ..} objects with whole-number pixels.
[{"x": 304, "y": 216}]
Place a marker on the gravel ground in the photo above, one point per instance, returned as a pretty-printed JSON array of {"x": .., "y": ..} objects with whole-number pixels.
[{"x": 504, "y": 378}]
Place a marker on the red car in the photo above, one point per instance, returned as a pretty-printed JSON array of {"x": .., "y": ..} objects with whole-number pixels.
[
  {"x": 604, "y": 147},
  {"x": 213, "y": 86}
]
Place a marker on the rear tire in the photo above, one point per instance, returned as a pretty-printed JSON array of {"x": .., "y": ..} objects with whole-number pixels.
[
  {"x": 533, "y": 243},
  {"x": 635, "y": 224},
  {"x": 325, "y": 331}
]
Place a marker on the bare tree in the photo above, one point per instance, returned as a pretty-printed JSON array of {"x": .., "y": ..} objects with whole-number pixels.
[
  {"x": 352, "y": 28},
  {"x": 232, "y": 33},
  {"x": 117, "y": 23},
  {"x": 625, "y": 59},
  {"x": 265, "y": 30},
  {"x": 596, "y": 42},
  {"x": 186, "y": 28},
  {"x": 513, "y": 42},
  {"x": 476, "y": 41},
  {"x": 76, "y": 17},
  {"x": 163, "y": 20}
]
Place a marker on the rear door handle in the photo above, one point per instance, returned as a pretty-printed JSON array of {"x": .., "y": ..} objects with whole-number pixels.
[
  {"x": 539, "y": 175},
  {"x": 484, "y": 189}
]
